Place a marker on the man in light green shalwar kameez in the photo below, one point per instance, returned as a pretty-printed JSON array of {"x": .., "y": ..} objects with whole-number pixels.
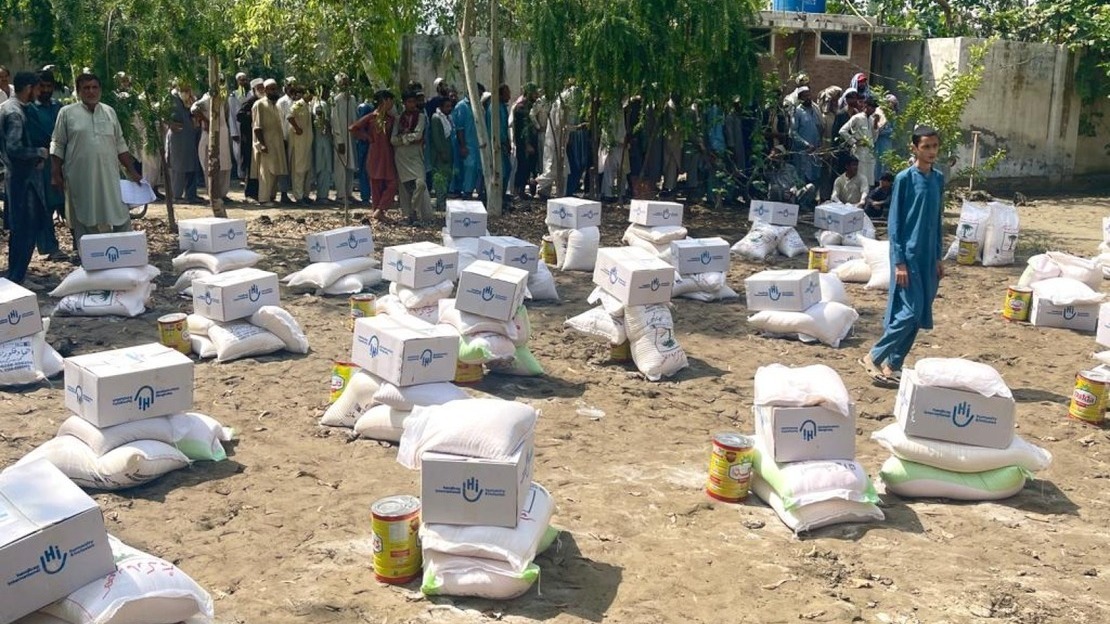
[{"x": 86, "y": 151}]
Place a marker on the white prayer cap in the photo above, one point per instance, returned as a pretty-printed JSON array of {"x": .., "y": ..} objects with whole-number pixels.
[
  {"x": 340, "y": 77},
  {"x": 269, "y": 81},
  {"x": 257, "y": 82},
  {"x": 438, "y": 81},
  {"x": 240, "y": 75},
  {"x": 290, "y": 80}
]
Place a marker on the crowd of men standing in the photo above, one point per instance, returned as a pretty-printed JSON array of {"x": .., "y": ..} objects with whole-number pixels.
[{"x": 295, "y": 144}]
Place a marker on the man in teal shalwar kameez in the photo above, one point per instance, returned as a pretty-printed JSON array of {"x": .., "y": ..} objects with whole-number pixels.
[{"x": 916, "y": 249}]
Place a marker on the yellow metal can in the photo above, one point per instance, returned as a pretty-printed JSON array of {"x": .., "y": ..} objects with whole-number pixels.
[
  {"x": 819, "y": 259},
  {"x": 621, "y": 352},
  {"x": 340, "y": 375},
  {"x": 362, "y": 305},
  {"x": 173, "y": 331},
  {"x": 395, "y": 524},
  {"x": 967, "y": 252},
  {"x": 469, "y": 373},
  {"x": 547, "y": 251},
  {"x": 1088, "y": 400},
  {"x": 1018, "y": 302},
  {"x": 730, "y": 467}
]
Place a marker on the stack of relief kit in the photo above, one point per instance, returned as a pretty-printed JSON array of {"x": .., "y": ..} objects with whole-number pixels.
[
  {"x": 954, "y": 436},
  {"x": 114, "y": 278},
  {"x": 805, "y": 468},
  {"x": 130, "y": 419},
  {"x": 341, "y": 262}
]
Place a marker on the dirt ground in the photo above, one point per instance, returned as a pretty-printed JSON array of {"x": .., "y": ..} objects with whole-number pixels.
[{"x": 280, "y": 532}]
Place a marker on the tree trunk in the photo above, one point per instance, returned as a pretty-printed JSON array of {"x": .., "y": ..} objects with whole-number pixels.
[
  {"x": 593, "y": 171},
  {"x": 465, "y": 30},
  {"x": 495, "y": 192},
  {"x": 215, "y": 110}
]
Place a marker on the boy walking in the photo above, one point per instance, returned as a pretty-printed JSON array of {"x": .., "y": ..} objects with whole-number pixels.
[{"x": 916, "y": 241}]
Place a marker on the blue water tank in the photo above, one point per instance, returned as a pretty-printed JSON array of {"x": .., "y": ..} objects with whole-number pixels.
[
  {"x": 813, "y": 6},
  {"x": 786, "y": 5}
]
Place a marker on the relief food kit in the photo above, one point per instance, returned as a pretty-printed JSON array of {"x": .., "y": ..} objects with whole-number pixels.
[
  {"x": 491, "y": 290},
  {"x": 839, "y": 254},
  {"x": 573, "y": 213},
  {"x": 1079, "y": 317},
  {"x": 953, "y": 415},
  {"x": 633, "y": 275},
  {"x": 419, "y": 265},
  {"x": 212, "y": 234},
  {"x": 475, "y": 491},
  {"x": 466, "y": 218},
  {"x": 405, "y": 352},
  {"x": 1102, "y": 332},
  {"x": 788, "y": 290},
  {"x": 775, "y": 213},
  {"x": 342, "y": 243},
  {"x": 19, "y": 311},
  {"x": 52, "y": 539},
  {"x": 114, "y": 387},
  {"x": 839, "y": 218},
  {"x": 652, "y": 213},
  {"x": 691, "y": 256},
  {"x": 234, "y": 295},
  {"x": 113, "y": 251},
  {"x": 510, "y": 251},
  {"x": 793, "y": 434}
]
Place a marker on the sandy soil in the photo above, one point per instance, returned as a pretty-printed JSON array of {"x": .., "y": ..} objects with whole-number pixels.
[{"x": 280, "y": 532}]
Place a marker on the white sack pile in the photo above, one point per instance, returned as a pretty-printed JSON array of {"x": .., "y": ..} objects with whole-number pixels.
[
  {"x": 190, "y": 265},
  {"x": 268, "y": 330},
  {"x": 107, "y": 292},
  {"x": 342, "y": 277}
]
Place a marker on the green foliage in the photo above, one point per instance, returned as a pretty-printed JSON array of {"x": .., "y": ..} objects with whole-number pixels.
[{"x": 940, "y": 104}]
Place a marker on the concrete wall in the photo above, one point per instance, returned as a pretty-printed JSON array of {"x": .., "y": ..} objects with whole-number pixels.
[
  {"x": 425, "y": 58},
  {"x": 1027, "y": 105},
  {"x": 823, "y": 71}
]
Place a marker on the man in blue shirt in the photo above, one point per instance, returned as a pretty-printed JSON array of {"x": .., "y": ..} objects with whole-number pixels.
[{"x": 41, "y": 116}]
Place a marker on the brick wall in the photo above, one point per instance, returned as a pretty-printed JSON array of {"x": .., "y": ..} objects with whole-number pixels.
[{"x": 823, "y": 71}]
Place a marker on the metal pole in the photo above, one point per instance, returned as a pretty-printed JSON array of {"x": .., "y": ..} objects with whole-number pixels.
[{"x": 974, "y": 159}]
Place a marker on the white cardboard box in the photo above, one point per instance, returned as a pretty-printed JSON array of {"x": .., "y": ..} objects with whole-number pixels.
[
  {"x": 19, "y": 311},
  {"x": 475, "y": 491},
  {"x": 1080, "y": 318},
  {"x": 839, "y": 254},
  {"x": 212, "y": 234},
  {"x": 573, "y": 213},
  {"x": 113, "y": 251},
  {"x": 417, "y": 265},
  {"x": 793, "y": 434},
  {"x": 839, "y": 218},
  {"x": 1102, "y": 335},
  {"x": 236, "y": 294},
  {"x": 405, "y": 352},
  {"x": 775, "y": 213},
  {"x": 491, "y": 290},
  {"x": 510, "y": 251},
  {"x": 953, "y": 415},
  {"x": 52, "y": 539},
  {"x": 356, "y": 241},
  {"x": 652, "y": 212},
  {"x": 633, "y": 275},
  {"x": 790, "y": 290},
  {"x": 114, "y": 387},
  {"x": 466, "y": 218},
  {"x": 691, "y": 256}
]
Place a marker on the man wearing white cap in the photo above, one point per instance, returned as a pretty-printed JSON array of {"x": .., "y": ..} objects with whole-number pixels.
[
  {"x": 343, "y": 115},
  {"x": 235, "y": 99},
  {"x": 269, "y": 144},
  {"x": 246, "y": 138}
]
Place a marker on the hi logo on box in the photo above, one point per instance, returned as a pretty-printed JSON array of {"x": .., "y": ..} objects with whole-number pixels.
[
  {"x": 759, "y": 210},
  {"x": 254, "y": 294},
  {"x": 472, "y": 490},
  {"x": 231, "y": 234},
  {"x": 808, "y": 429},
  {"x": 14, "y": 317},
  {"x": 112, "y": 254},
  {"x": 194, "y": 235},
  {"x": 522, "y": 259},
  {"x": 317, "y": 247},
  {"x": 490, "y": 254},
  {"x": 53, "y": 560},
  {"x": 352, "y": 241},
  {"x": 773, "y": 293},
  {"x": 487, "y": 293},
  {"x": 1070, "y": 313},
  {"x": 144, "y": 398},
  {"x": 705, "y": 257}
]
